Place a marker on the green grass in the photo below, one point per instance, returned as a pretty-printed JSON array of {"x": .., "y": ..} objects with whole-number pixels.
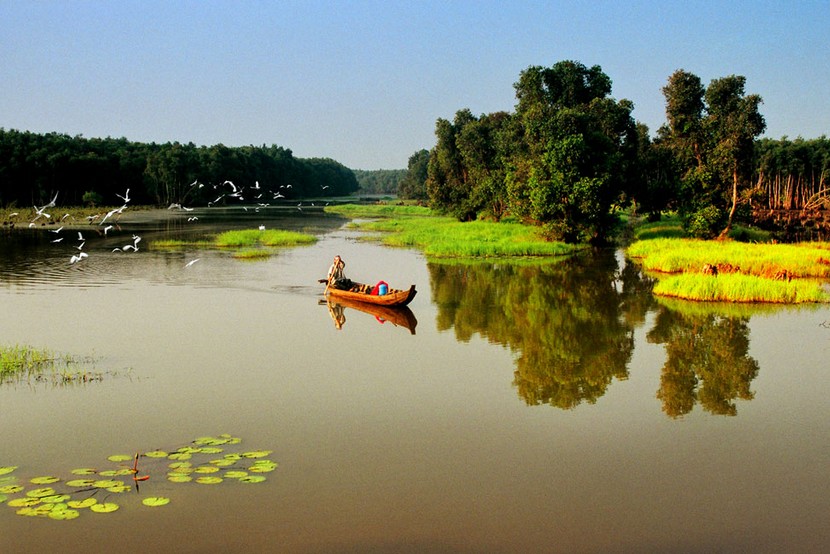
[
  {"x": 378, "y": 210},
  {"x": 746, "y": 271},
  {"x": 762, "y": 260},
  {"x": 445, "y": 237},
  {"x": 736, "y": 287},
  {"x": 270, "y": 237},
  {"x": 247, "y": 239},
  {"x": 18, "y": 363}
]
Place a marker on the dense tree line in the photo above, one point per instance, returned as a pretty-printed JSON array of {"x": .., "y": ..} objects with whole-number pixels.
[
  {"x": 379, "y": 181},
  {"x": 34, "y": 167},
  {"x": 571, "y": 155}
]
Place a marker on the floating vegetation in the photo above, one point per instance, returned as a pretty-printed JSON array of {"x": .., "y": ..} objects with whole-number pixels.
[
  {"x": 20, "y": 364},
  {"x": 210, "y": 461}
]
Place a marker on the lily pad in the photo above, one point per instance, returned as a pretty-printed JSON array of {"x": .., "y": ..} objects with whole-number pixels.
[
  {"x": 119, "y": 488},
  {"x": 222, "y": 462},
  {"x": 252, "y": 479},
  {"x": 211, "y": 450},
  {"x": 180, "y": 456},
  {"x": 256, "y": 454},
  {"x": 7, "y": 469},
  {"x": 85, "y": 503},
  {"x": 210, "y": 480},
  {"x": 157, "y": 454},
  {"x": 55, "y": 498},
  {"x": 84, "y": 471},
  {"x": 3, "y": 498},
  {"x": 206, "y": 469},
  {"x": 81, "y": 483},
  {"x": 104, "y": 508},
  {"x": 64, "y": 514},
  {"x": 23, "y": 502},
  {"x": 107, "y": 483},
  {"x": 40, "y": 493},
  {"x": 179, "y": 478},
  {"x": 156, "y": 501},
  {"x": 11, "y": 489},
  {"x": 46, "y": 480},
  {"x": 119, "y": 458},
  {"x": 236, "y": 474}
]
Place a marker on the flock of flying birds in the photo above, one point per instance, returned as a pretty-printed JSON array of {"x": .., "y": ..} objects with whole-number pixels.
[{"x": 113, "y": 215}]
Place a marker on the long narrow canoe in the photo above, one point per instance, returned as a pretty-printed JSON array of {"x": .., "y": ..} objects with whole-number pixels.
[{"x": 395, "y": 297}]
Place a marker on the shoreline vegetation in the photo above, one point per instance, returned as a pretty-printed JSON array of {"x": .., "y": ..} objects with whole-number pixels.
[
  {"x": 252, "y": 244},
  {"x": 23, "y": 363},
  {"x": 730, "y": 270}
]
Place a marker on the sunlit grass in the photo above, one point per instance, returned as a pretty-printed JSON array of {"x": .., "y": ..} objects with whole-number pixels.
[
  {"x": 763, "y": 260},
  {"x": 736, "y": 287},
  {"x": 269, "y": 237},
  {"x": 445, "y": 237}
]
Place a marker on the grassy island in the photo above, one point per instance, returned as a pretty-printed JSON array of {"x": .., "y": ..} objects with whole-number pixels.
[
  {"x": 445, "y": 237},
  {"x": 732, "y": 271}
]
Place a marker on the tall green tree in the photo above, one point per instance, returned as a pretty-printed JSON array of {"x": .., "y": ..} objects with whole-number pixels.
[
  {"x": 580, "y": 150},
  {"x": 413, "y": 185},
  {"x": 734, "y": 121},
  {"x": 712, "y": 133}
]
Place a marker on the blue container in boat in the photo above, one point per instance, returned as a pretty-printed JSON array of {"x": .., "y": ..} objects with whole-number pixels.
[{"x": 382, "y": 289}]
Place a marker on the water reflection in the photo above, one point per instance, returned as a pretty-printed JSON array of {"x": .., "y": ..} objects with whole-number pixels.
[
  {"x": 707, "y": 359},
  {"x": 400, "y": 316},
  {"x": 571, "y": 325},
  {"x": 570, "y": 322}
]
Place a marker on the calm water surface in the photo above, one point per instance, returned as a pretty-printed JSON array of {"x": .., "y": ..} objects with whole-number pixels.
[{"x": 536, "y": 408}]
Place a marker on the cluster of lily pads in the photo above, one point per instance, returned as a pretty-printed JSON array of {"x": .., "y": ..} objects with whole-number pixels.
[{"x": 205, "y": 461}]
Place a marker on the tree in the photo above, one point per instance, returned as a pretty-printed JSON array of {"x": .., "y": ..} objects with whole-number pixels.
[
  {"x": 580, "y": 149},
  {"x": 712, "y": 133},
  {"x": 413, "y": 184},
  {"x": 733, "y": 123}
]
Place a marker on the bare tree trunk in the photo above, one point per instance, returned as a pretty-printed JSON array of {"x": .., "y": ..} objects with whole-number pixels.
[{"x": 725, "y": 233}]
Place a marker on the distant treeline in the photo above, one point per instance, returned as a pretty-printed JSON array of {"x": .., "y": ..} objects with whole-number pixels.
[
  {"x": 571, "y": 155},
  {"x": 34, "y": 167},
  {"x": 379, "y": 181}
]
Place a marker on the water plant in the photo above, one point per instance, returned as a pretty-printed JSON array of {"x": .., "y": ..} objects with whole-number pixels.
[
  {"x": 213, "y": 459},
  {"x": 23, "y": 362}
]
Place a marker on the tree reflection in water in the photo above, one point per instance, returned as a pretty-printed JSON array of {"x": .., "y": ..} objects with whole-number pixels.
[
  {"x": 707, "y": 359},
  {"x": 571, "y": 324}
]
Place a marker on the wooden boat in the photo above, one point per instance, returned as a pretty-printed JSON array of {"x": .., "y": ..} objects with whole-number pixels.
[
  {"x": 361, "y": 293},
  {"x": 399, "y": 316}
]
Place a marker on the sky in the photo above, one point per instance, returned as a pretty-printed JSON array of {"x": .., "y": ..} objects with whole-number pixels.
[{"x": 363, "y": 82}]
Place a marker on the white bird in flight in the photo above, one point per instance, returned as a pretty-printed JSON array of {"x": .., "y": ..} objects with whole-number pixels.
[{"x": 191, "y": 262}]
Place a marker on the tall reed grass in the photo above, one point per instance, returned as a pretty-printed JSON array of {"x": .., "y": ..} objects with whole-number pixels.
[{"x": 736, "y": 287}]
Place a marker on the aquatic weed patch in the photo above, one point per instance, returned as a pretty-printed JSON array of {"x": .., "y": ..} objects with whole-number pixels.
[
  {"x": 22, "y": 363},
  {"x": 209, "y": 460}
]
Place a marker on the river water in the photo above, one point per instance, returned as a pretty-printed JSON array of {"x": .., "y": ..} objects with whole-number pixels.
[{"x": 535, "y": 407}]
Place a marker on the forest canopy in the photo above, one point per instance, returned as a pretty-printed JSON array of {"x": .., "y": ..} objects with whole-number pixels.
[{"x": 34, "y": 167}]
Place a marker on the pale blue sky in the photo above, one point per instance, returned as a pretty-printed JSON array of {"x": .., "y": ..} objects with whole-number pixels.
[{"x": 363, "y": 82}]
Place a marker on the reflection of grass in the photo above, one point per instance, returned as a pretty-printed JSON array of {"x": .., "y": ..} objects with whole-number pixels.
[
  {"x": 252, "y": 254},
  {"x": 18, "y": 363}
]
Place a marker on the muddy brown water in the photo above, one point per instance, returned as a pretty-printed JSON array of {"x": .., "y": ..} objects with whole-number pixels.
[{"x": 537, "y": 408}]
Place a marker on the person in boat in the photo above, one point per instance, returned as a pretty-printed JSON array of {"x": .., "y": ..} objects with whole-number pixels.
[{"x": 337, "y": 276}]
